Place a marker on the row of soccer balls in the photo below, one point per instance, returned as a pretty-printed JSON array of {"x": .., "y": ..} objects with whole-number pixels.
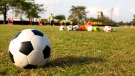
[{"x": 83, "y": 28}]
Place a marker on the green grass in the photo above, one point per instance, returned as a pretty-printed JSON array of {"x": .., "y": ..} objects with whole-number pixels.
[{"x": 76, "y": 53}]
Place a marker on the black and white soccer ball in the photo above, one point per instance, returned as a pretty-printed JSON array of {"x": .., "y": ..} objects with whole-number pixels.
[
  {"x": 62, "y": 28},
  {"x": 30, "y": 48},
  {"x": 76, "y": 27},
  {"x": 70, "y": 28}
]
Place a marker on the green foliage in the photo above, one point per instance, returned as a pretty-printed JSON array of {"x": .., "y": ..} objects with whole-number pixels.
[
  {"x": 77, "y": 12},
  {"x": 76, "y": 53},
  {"x": 93, "y": 19},
  {"x": 120, "y": 23},
  {"x": 31, "y": 10},
  {"x": 4, "y": 7},
  {"x": 60, "y": 17},
  {"x": 34, "y": 11}
]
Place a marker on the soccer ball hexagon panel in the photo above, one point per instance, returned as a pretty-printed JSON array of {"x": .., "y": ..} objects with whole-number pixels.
[{"x": 30, "y": 48}]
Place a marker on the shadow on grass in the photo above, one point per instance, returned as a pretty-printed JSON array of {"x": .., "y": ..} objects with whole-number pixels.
[{"x": 71, "y": 60}]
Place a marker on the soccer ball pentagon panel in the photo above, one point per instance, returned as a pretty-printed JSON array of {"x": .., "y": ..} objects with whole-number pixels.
[{"x": 30, "y": 48}]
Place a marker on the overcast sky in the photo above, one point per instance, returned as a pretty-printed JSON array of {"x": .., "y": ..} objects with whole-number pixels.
[{"x": 123, "y": 10}]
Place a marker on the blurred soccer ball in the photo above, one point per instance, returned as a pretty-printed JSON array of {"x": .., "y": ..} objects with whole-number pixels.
[
  {"x": 82, "y": 28},
  {"x": 96, "y": 28},
  {"x": 62, "y": 28},
  {"x": 69, "y": 28},
  {"x": 75, "y": 27},
  {"x": 89, "y": 28},
  {"x": 107, "y": 29}
]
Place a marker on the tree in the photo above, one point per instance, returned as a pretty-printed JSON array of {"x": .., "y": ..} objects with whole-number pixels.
[
  {"x": 6, "y": 5},
  {"x": 133, "y": 21},
  {"x": 120, "y": 22},
  {"x": 32, "y": 10},
  {"x": 60, "y": 17},
  {"x": 27, "y": 8},
  {"x": 4, "y": 8},
  {"x": 93, "y": 19},
  {"x": 77, "y": 13}
]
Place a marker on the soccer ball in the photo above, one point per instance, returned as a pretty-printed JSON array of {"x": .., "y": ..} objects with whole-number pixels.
[
  {"x": 89, "y": 28},
  {"x": 75, "y": 27},
  {"x": 96, "y": 28},
  {"x": 107, "y": 29},
  {"x": 70, "y": 28},
  {"x": 82, "y": 28},
  {"x": 62, "y": 28},
  {"x": 30, "y": 48}
]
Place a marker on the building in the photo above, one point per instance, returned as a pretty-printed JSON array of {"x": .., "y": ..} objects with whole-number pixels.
[{"x": 100, "y": 14}]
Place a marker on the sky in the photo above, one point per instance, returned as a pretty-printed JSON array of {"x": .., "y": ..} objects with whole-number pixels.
[{"x": 123, "y": 10}]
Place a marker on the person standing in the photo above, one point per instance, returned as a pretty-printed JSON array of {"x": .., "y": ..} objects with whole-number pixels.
[
  {"x": 71, "y": 23},
  {"x": 51, "y": 18},
  {"x": 11, "y": 21},
  {"x": 84, "y": 22},
  {"x": 65, "y": 22},
  {"x": 60, "y": 22},
  {"x": 44, "y": 22},
  {"x": 38, "y": 21},
  {"x": 35, "y": 21},
  {"x": 41, "y": 22},
  {"x": 30, "y": 21}
]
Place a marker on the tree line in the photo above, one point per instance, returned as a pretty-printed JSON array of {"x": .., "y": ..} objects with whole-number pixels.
[{"x": 77, "y": 13}]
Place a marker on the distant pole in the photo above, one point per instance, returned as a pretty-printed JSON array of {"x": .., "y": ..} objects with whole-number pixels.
[
  {"x": 49, "y": 11},
  {"x": 111, "y": 13},
  {"x": 12, "y": 14}
]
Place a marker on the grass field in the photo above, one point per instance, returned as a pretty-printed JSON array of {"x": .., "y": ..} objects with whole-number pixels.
[{"x": 76, "y": 53}]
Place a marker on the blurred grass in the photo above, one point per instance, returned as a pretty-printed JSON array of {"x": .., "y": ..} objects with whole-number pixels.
[{"x": 76, "y": 53}]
